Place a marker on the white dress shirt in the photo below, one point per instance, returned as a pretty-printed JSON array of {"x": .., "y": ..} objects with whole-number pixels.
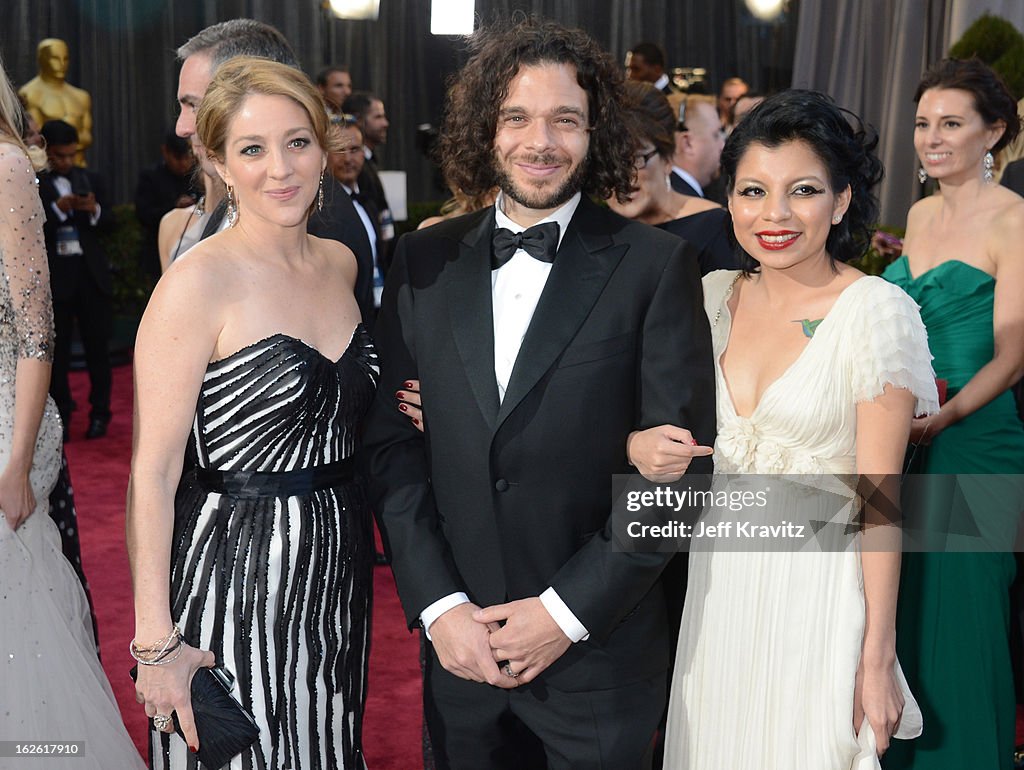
[
  {"x": 661, "y": 82},
  {"x": 371, "y": 233},
  {"x": 515, "y": 290}
]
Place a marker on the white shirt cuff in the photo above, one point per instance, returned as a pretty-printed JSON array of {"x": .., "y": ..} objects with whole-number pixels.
[
  {"x": 60, "y": 214},
  {"x": 439, "y": 608},
  {"x": 563, "y": 616},
  {"x": 95, "y": 217}
]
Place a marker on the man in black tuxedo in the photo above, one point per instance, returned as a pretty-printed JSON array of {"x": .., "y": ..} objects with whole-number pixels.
[
  {"x": 200, "y": 57},
  {"x": 547, "y": 647},
  {"x": 76, "y": 213}
]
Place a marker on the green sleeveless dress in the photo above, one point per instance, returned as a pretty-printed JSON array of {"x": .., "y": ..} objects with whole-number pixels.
[{"x": 954, "y": 617}]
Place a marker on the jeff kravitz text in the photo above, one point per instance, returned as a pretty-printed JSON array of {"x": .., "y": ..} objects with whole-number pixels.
[{"x": 724, "y": 529}]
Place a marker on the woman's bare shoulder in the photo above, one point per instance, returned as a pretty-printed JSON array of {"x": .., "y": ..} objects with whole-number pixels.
[
  {"x": 177, "y": 217},
  {"x": 208, "y": 267},
  {"x": 336, "y": 254}
]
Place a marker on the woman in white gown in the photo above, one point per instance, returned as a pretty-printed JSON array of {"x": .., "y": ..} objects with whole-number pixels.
[
  {"x": 786, "y": 660},
  {"x": 52, "y": 687}
]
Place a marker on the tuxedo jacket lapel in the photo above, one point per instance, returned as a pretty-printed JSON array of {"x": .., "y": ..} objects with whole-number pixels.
[
  {"x": 470, "y": 313},
  {"x": 585, "y": 261}
]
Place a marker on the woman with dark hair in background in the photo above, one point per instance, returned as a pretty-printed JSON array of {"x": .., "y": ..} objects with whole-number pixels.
[
  {"x": 787, "y": 658},
  {"x": 703, "y": 223},
  {"x": 963, "y": 265}
]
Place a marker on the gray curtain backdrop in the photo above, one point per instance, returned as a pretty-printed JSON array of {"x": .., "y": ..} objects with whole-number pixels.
[
  {"x": 122, "y": 53},
  {"x": 869, "y": 55}
]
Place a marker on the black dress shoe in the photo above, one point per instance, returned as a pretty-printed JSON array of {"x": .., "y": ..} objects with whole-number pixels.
[{"x": 97, "y": 428}]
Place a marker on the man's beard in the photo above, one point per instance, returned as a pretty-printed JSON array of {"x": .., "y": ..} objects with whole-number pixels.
[{"x": 539, "y": 199}]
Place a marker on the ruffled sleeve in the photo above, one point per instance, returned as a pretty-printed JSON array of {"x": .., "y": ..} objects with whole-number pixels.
[
  {"x": 23, "y": 255},
  {"x": 891, "y": 346}
]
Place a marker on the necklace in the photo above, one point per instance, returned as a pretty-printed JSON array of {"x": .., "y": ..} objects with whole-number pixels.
[{"x": 725, "y": 299}]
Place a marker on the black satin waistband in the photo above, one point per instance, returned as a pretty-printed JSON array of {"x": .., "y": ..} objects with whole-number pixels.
[{"x": 303, "y": 481}]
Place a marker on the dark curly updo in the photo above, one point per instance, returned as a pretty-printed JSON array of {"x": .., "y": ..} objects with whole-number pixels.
[
  {"x": 842, "y": 142},
  {"x": 992, "y": 99}
]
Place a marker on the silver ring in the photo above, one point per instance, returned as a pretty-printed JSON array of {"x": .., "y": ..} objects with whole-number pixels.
[
  {"x": 161, "y": 722},
  {"x": 508, "y": 671}
]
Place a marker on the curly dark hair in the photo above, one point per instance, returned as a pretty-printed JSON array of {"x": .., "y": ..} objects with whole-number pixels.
[
  {"x": 992, "y": 99},
  {"x": 476, "y": 93},
  {"x": 839, "y": 138}
]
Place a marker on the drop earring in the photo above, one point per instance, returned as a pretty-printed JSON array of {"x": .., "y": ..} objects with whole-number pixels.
[
  {"x": 320, "y": 195},
  {"x": 922, "y": 175},
  {"x": 232, "y": 215},
  {"x": 988, "y": 163}
]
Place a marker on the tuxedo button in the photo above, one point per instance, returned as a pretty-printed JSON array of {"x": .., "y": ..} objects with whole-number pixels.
[{"x": 501, "y": 485}]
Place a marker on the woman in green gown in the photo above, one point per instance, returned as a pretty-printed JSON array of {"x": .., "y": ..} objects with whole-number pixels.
[{"x": 963, "y": 264}]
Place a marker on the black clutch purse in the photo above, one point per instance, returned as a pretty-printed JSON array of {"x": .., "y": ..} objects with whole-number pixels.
[{"x": 225, "y": 728}]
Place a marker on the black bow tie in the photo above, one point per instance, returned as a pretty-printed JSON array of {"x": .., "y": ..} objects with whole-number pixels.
[
  {"x": 358, "y": 197},
  {"x": 539, "y": 241}
]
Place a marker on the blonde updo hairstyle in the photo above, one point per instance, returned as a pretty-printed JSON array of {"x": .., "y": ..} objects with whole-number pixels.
[{"x": 242, "y": 76}]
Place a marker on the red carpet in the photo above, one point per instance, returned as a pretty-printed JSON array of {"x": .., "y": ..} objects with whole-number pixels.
[{"x": 99, "y": 475}]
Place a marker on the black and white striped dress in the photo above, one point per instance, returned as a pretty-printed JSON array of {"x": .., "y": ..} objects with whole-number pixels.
[{"x": 273, "y": 549}]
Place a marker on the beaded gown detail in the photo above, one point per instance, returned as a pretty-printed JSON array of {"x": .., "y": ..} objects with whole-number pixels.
[
  {"x": 52, "y": 686},
  {"x": 771, "y": 640},
  {"x": 277, "y": 581}
]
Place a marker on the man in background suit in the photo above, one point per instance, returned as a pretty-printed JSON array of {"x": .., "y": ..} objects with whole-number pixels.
[
  {"x": 1013, "y": 177},
  {"x": 646, "y": 62},
  {"x": 699, "y": 143},
  {"x": 346, "y": 163},
  {"x": 334, "y": 85},
  {"x": 76, "y": 213},
  {"x": 368, "y": 110},
  {"x": 731, "y": 92},
  {"x": 200, "y": 57},
  {"x": 544, "y": 331}
]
